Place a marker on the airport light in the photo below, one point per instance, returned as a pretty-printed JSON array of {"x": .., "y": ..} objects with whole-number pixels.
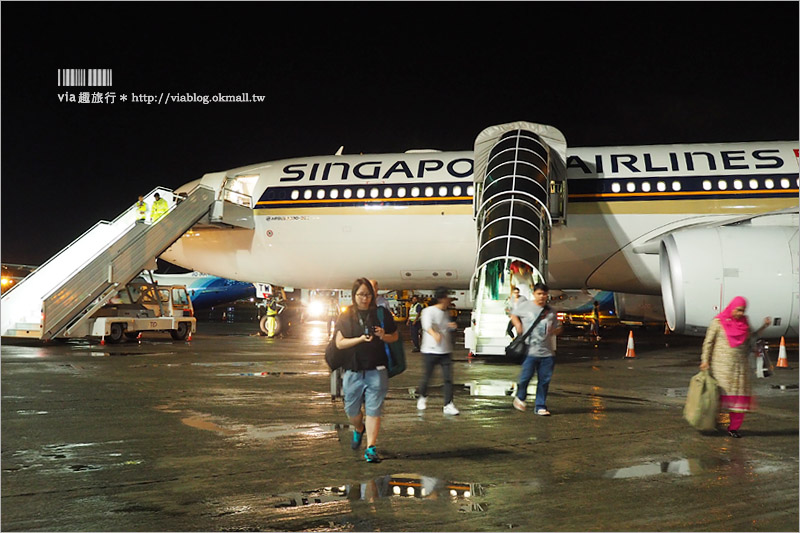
[{"x": 315, "y": 308}]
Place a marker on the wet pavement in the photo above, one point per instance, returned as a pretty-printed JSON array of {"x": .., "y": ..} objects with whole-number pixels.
[{"x": 236, "y": 432}]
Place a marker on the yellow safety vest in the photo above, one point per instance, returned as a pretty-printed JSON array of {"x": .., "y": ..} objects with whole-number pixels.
[
  {"x": 159, "y": 208},
  {"x": 142, "y": 206}
]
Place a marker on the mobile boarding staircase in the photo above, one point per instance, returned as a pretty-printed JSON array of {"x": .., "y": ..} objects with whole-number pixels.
[
  {"x": 520, "y": 194},
  {"x": 58, "y": 298}
]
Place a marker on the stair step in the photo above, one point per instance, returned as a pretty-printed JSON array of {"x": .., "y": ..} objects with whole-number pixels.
[
  {"x": 493, "y": 341},
  {"x": 28, "y": 325},
  {"x": 33, "y": 334}
]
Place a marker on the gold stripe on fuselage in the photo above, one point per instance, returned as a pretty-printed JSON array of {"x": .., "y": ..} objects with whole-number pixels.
[
  {"x": 434, "y": 209},
  {"x": 617, "y": 205}
]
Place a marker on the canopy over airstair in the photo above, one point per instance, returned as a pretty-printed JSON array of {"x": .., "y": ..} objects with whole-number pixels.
[
  {"x": 520, "y": 193},
  {"x": 60, "y": 295}
]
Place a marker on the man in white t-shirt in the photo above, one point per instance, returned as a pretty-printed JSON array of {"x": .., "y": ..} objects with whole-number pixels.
[{"x": 436, "y": 347}]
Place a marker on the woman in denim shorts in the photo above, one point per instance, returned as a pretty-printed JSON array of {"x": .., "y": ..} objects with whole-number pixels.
[{"x": 366, "y": 379}]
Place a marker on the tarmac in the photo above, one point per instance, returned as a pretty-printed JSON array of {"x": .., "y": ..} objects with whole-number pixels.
[{"x": 236, "y": 432}]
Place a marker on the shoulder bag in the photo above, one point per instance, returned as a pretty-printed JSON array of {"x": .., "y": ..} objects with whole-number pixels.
[
  {"x": 517, "y": 349},
  {"x": 335, "y": 357},
  {"x": 394, "y": 351}
]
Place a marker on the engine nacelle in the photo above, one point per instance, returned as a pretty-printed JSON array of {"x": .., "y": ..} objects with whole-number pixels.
[{"x": 703, "y": 269}]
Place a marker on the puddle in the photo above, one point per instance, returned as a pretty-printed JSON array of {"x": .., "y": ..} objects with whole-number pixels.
[
  {"x": 497, "y": 387},
  {"x": 83, "y": 468},
  {"x": 677, "y": 392},
  {"x": 275, "y": 373},
  {"x": 225, "y": 364},
  {"x": 31, "y": 412},
  {"x": 681, "y": 467},
  {"x": 202, "y": 422},
  {"x": 262, "y": 433},
  {"x": 393, "y": 486}
]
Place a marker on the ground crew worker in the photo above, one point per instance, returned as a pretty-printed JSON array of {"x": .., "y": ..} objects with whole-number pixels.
[
  {"x": 273, "y": 309},
  {"x": 414, "y": 313},
  {"x": 160, "y": 208},
  {"x": 333, "y": 313},
  {"x": 141, "y": 211}
]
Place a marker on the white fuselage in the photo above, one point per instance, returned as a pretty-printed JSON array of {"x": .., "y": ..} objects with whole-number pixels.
[{"x": 407, "y": 219}]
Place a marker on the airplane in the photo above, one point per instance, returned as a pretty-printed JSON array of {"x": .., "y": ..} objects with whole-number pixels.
[
  {"x": 206, "y": 290},
  {"x": 687, "y": 226}
]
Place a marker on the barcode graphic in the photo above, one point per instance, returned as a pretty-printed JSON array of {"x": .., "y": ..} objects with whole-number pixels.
[{"x": 83, "y": 77}]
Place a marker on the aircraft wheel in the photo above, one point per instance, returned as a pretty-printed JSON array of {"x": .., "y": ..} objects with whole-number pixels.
[
  {"x": 116, "y": 333},
  {"x": 263, "y": 326},
  {"x": 181, "y": 333}
]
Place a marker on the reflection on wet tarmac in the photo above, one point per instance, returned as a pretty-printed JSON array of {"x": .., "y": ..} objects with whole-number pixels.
[
  {"x": 497, "y": 387},
  {"x": 682, "y": 467},
  {"x": 392, "y": 486},
  {"x": 244, "y": 431},
  {"x": 598, "y": 405}
]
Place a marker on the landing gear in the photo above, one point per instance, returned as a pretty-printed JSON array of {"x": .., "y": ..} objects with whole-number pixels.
[{"x": 265, "y": 327}]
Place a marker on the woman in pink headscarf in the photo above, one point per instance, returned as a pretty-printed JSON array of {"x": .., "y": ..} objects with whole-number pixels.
[{"x": 726, "y": 349}]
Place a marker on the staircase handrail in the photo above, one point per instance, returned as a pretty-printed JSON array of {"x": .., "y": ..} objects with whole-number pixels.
[
  {"x": 67, "y": 247},
  {"x": 59, "y": 322}
]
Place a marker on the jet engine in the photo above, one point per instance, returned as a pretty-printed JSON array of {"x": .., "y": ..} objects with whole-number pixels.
[{"x": 703, "y": 269}]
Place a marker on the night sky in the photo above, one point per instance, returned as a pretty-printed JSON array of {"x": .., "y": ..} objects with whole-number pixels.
[{"x": 374, "y": 77}]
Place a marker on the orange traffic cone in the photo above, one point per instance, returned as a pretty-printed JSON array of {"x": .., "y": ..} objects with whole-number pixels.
[
  {"x": 783, "y": 362},
  {"x": 103, "y": 340},
  {"x": 189, "y": 338},
  {"x": 630, "y": 353}
]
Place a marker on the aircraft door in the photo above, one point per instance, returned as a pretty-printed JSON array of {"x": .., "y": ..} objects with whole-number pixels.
[{"x": 239, "y": 189}]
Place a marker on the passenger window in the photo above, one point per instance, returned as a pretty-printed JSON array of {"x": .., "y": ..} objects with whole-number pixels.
[
  {"x": 615, "y": 187},
  {"x": 295, "y": 194},
  {"x": 401, "y": 192},
  {"x": 722, "y": 184}
]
